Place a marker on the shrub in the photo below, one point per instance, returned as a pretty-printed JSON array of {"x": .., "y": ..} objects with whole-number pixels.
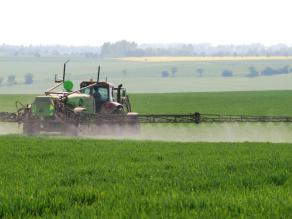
[
  {"x": 164, "y": 74},
  {"x": 227, "y": 73},
  {"x": 28, "y": 78}
]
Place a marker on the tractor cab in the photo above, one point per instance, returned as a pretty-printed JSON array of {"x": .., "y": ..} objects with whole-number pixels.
[{"x": 107, "y": 98}]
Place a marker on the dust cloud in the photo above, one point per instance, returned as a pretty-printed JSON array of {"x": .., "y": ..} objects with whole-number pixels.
[{"x": 9, "y": 128}]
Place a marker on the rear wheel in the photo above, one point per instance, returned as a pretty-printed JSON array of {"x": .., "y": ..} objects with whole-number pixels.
[{"x": 31, "y": 128}]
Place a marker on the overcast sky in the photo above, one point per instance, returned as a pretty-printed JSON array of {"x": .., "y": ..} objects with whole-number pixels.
[{"x": 92, "y": 22}]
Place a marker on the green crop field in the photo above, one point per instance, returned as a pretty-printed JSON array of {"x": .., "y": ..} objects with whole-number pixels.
[
  {"x": 144, "y": 76},
  {"x": 142, "y": 179}
]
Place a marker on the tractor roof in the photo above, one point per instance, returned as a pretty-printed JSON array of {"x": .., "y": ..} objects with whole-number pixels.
[{"x": 100, "y": 84}]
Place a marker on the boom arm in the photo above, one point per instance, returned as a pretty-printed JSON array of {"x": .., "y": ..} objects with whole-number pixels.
[
  {"x": 209, "y": 118},
  {"x": 194, "y": 118}
]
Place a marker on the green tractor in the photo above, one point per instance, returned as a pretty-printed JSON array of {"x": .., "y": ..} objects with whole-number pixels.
[{"x": 96, "y": 103}]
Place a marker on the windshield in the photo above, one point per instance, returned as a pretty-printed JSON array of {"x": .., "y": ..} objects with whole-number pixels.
[{"x": 99, "y": 93}]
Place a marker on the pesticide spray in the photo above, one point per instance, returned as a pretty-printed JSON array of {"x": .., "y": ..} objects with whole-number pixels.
[
  {"x": 216, "y": 132},
  {"x": 223, "y": 132}
]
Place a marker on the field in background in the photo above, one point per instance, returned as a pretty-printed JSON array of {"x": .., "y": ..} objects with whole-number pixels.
[
  {"x": 236, "y": 103},
  {"x": 88, "y": 178},
  {"x": 145, "y": 77}
]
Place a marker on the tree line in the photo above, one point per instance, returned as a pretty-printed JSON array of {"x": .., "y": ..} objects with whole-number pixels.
[
  {"x": 125, "y": 48},
  {"x": 252, "y": 72},
  {"x": 11, "y": 80},
  {"x": 267, "y": 71}
]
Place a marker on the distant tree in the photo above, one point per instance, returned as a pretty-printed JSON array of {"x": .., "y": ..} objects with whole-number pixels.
[
  {"x": 173, "y": 71},
  {"x": 119, "y": 49},
  {"x": 200, "y": 72},
  {"x": 252, "y": 72},
  {"x": 106, "y": 49},
  {"x": 227, "y": 73},
  {"x": 1, "y": 81},
  {"x": 37, "y": 54},
  {"x": 268, "y": 71},
  {"x": 164, "y": 74},
  {"x": 55, "y": 53},
  {"x": 11, "y": 80},
  {"x": 187, "y": 49},
  {"x": 28, "y": 78}
]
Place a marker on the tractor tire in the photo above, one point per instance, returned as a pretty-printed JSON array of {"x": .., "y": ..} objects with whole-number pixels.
[
  {"x": 30, "y": 129},
  {"x": 119, "y": 110}
]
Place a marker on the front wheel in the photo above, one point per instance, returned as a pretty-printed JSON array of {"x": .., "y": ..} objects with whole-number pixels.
[{"x": 119, "y": 110}]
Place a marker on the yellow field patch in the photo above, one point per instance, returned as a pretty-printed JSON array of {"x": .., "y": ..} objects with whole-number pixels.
[{"x": 201, "y": 58}]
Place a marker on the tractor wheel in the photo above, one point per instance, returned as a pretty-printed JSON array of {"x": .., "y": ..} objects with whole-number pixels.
[
  {"x": 119, "y": 110},
  {"x": 30, "y": 129}
]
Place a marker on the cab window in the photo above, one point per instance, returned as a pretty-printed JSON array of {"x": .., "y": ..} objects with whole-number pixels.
[
  {"x": 100, "y": 94},
  {"x": 103, "y": 93},
  {"x": 87, "y": 91}
]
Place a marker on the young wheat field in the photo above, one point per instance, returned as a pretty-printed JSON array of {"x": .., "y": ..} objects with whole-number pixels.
[{"x": 51, "y": 177}]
